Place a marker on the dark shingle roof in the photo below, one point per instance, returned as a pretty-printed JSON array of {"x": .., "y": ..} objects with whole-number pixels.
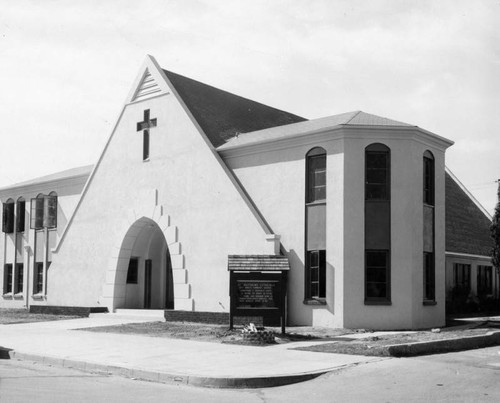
[
  {"x": 467, "y": 227},
  {"x": 257, "y": 262},
  {"x": 223, "y": 115}
]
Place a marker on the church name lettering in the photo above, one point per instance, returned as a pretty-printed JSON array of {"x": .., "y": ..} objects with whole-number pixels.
[{"x": 257, "y": 294}]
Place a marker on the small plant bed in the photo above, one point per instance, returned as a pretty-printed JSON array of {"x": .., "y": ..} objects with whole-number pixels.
[
  {"x": 10, "y": 316},
  {"x": 382, "y": 345},
  {"x": 217, "y": 333}
]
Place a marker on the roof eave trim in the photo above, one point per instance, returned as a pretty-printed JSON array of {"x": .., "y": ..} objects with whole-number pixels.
[
  {"x": 27, "y": 188},
  {"x": 467, "y": 255},
  {"x": 310, "y": 136}
]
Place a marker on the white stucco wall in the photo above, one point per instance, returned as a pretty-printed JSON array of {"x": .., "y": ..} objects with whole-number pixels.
[
  {"x": 406, "y": 309},
  {"x": 68, "y": 191},
  {"x": 281, "y": 199},
  {"x": 275, "y": 178},
  {"x": 182, "y": 180}
]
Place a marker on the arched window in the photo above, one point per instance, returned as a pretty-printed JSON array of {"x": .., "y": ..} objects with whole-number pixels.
[
  {"x": 44, "y": 211},
  {"x": 428, "y": 241},
  {"x": 8, "y": 217},
  {"x": 428, "y": 178},
  {"x": 316, "y": 175},
  {"x": 377, "y": 224},
  {"x": 315, "y": 225},
  {"x": 50, "y": 219},
  {"x": 37, "y": 205},
  {"x": 20, "y": 214}
]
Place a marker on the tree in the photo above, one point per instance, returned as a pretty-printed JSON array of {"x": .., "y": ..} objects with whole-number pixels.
[{"x": 495, "y": 234}]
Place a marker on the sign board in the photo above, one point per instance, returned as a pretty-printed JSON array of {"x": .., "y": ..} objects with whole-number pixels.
[{"x": 258, "y": 293}]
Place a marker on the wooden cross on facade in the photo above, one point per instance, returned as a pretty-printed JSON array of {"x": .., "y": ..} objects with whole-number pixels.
[{"x": 145, "y": 126}]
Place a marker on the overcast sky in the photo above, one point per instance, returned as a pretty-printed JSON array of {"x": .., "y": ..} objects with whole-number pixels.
[{"x": 67, "y": 66}]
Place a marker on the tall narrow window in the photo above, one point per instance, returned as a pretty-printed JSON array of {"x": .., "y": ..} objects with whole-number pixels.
[
  {"x": 429, "y": 277},
  {"x": 50, "y": 211},
  {"x": 377, "y": 275},
  {"x": 316, "y": 175},
  {"x": 8, "y": 217},
  {"x": 315, "y": 228},
  {"x": 461, "y": 276},
  {"x": 37, "y": 212},
  {"x": 377, "y": 225},
  {"x": 19, "y": 284},
  {"x": 484, "y": 280},
  {"x": 428, "y": 229},
  {"x": 7, "y": 278},
  {"x": 20, "y": 215},
  {"x": 316, "y": 264},
  {"x": 38, "y": 278},
  {"x": 44, "y": 211},
  {"x": 428, "y": 178},
  {"x": 377, "y": 176}
]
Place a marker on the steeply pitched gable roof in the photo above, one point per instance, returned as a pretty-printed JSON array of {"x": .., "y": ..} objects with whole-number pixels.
[
  {"x": 467, "y": 227},
  {"x": 223, "y": 115}
]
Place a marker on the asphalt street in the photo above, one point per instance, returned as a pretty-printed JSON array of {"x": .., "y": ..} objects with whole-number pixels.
[{"x": 469, "y": 376}]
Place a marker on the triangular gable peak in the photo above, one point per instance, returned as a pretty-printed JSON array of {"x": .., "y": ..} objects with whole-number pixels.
[{"x": 149, "y": 83}]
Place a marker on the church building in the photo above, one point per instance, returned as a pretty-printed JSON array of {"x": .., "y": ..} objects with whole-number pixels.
[{"x": 376, "y": 232}]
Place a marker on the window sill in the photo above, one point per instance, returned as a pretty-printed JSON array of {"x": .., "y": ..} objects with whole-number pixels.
[
  {"x": 429, "y": 303},
  {"x": 316, "y": 203},
  {"x": 315, "y": 301},
  {"x": 377, "y": 302},
  {"x": 146, "y": 160},
  {"x": 38, "y": 296},
  {"x": 7, "y": 295},
  {"x": 19, "y": 295}
]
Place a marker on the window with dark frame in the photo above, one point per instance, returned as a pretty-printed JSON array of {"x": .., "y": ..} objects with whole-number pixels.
[
  {"x": 377, "y": 275},
  {"x": 133, "y": 271},
  {"x": 36, "y": 215},
  {"x": 484, "y": 280},
  {"x": 7, "y": 278},
  {"x": 44, "y": 212},
  {"x": 461, "y": 276},
  {"x": 8, "y": 217},
  {"x": 50, "y": 211},
  {"x": 377, "y": 173},
  {"x": 316, "y": 273},
  {"x": 428, "y": 179},
  {"x": 316, "y": 175},
  {"x": 19, "y": 283},
  {"x": 429, "y": 277},
  {"x": 38, "y": 278},
  {"x": 20, "y": 215}
]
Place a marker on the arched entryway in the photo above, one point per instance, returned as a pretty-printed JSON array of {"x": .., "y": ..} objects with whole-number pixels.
[{"x": 145, "y": 256}]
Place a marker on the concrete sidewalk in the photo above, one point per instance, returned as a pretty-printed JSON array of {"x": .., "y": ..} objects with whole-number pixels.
[{"x": 165, "y": 360}]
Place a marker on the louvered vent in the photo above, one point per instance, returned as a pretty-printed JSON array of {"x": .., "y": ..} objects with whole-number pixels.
[{"x": 148, "y": 87}]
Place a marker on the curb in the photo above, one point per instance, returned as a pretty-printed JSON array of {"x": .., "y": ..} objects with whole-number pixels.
[
  {"x": 444, "y": 346},
  {"x": 162, "y": 377}
]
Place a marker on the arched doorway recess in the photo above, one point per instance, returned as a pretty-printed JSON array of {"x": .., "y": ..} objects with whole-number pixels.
[{"x": 146, "y": 267}]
